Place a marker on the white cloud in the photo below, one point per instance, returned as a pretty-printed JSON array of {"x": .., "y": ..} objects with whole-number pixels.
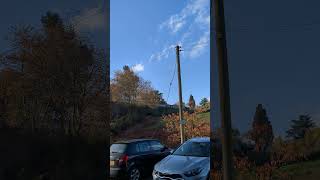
[
  {"x": 138, "y": 68},
  {"x": 200, "y": 45},
  {"x": 90, "y": 19},
  {"x": 194, "y": 16},
  {"x": 164, "y": 54},
  {"x": 196, "y": 8},
  {"x": 174, "y": 23}
]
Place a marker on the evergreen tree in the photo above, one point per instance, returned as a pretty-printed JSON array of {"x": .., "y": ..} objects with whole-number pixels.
[
  {"x": 192, "y": 103},
  {"x": 300, "y": 127},
  {"x": 261, "y": 133},
  {"x": 204, "y": 102}
]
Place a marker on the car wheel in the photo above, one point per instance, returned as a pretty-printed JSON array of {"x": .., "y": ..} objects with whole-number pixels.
[
  {"x": 209, "y": 177},
  {"x": 134, "y": 174}
]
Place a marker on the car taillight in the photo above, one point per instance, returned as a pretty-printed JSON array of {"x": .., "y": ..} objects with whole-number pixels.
[{"x": 123, "y": 159}]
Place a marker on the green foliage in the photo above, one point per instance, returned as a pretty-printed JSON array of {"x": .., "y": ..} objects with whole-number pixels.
[
  {"x": 204, "y": 102},
  {"x": 302, "y": 171},
  {"x": 300, "y": 127}
]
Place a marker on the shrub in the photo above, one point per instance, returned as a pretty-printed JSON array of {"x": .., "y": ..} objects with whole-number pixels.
[{"x": 194, "y": 127}]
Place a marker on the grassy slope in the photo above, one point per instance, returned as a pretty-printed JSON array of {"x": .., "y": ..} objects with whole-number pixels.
[
  {"x": 204, "y": 116},
  {"x": 309, "y": 170},
  {"x": 151, "y": 127},
  {"x": 305, "y": 170}
]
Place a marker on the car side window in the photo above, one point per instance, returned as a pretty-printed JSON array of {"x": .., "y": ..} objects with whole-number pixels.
[
  {"x": 156, "y": 145},
  {"x": 144, "y": 147},
  {"x": 133, "y": 149}
]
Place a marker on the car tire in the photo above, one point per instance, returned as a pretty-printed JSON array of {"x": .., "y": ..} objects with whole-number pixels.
[
  {"x": 134, "y": 174},
  {"x": 209, "y": 177}
]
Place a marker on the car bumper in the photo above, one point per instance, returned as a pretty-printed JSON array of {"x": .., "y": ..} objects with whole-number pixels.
[
  {"x": 198, "y": 177},
  {"x": 117, "y": 173}
]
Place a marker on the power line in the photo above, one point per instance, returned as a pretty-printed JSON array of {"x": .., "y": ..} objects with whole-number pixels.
[{"x": 174, "y": 72}]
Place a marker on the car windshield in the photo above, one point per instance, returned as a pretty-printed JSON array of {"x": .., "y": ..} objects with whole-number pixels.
[
  {"x": 189, "y": 148},
  {"x": 118, "y": 148}
]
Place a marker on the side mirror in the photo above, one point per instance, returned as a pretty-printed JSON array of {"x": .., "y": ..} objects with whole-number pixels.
[{"x": 171, "y": 151}]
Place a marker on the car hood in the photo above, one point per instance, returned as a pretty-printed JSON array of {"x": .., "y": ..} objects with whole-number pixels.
[{"x": 180, "y": 164}]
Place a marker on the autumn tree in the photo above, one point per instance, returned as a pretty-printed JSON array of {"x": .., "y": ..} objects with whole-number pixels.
[
  {"x": 300, "y": 127},
  {"x": 128, "y": 87},
  {"x": 147, "y": 95},
  {"x": 192, "y": 103},
  {"x": 124, "y": 86},
  {"x": 261, "y": 133},
  {"x": 59, "y": 77},
  {"x": 7, "y": 79}
]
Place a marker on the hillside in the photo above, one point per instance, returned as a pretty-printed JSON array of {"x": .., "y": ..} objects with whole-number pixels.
[{"x": 151, "y": 127}]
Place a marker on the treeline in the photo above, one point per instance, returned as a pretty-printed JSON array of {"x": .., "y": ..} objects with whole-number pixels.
[
  {"x": 269, "y": 153},
  {"x": 54, "y": 104},
  {"x": 53, "y": 80},
  {"x": 133, "y": 99},
  {"x": 128, "y": 88}
]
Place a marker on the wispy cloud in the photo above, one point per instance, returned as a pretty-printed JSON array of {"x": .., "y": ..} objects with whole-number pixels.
[
  {"x": 138, "y": 68},
  {"x": 174, "y": 23},
  {"x": 200, "y": 45},
  {"x": 90, "y": 19},
  {"x": 164, "y": 54},
  {"x": 194, "y": 16},
  {"x": 198, "y": 9}
]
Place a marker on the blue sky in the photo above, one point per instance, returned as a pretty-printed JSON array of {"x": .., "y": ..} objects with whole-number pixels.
[{"x": 144, "y": 33}]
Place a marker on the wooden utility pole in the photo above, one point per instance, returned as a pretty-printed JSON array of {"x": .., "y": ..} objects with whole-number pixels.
[
  {"x": 182, "y": 137},
  {"x": 224, "y": 89}
]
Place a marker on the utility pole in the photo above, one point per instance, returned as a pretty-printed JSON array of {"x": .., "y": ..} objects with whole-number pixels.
[
  {"x": 224, "y": 89},
  {"x": 182, "y": 137}
]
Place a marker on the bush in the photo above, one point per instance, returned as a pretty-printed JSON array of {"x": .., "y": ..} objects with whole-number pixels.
[{"x": 194, "y": 128}]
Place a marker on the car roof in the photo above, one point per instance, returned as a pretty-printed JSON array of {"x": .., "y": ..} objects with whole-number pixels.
[
  {"x": 200, "y": 139},
  {"x": 134, "y": 141}
]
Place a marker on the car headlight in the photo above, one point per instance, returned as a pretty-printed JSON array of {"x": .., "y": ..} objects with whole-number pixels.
[
  {"x": 154, "y": 172},
  {"x": 193, "y": 172}
]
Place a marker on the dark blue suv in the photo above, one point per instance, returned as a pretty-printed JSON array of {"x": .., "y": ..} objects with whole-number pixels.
[{"x": 135, "y": 158}]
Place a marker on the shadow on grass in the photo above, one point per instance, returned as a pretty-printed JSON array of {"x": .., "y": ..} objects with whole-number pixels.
[{"x": 39, "y": 156}]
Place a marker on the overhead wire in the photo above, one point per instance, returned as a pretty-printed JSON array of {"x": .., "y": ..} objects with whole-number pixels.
[{"x": 170, "y": 85}]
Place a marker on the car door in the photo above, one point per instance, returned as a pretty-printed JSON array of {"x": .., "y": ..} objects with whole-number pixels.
[
  {"x": 145, "y": 155},
  {"x": 159, "y": 151}
]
